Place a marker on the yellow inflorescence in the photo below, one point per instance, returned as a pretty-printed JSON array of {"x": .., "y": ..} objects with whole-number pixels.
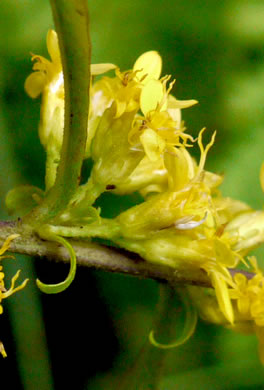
[{"x": 138, "y": 142}]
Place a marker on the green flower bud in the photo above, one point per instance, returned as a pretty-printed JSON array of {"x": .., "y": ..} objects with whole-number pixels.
[{"x": 148, "y": 177}]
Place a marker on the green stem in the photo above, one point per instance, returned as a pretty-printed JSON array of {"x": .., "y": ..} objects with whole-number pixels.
[
  {"x": 87, "y": 194},
  {"x": 92, "y": 191},
  {"x": 106, "y": 228},
  {"x": 72, "y": 25},
  {"x": 148, "y": 368},
  {"x": 89, "y": 254}
]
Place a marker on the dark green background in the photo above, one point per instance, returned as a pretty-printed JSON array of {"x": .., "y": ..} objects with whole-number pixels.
[{"x": 84, "y": 337}]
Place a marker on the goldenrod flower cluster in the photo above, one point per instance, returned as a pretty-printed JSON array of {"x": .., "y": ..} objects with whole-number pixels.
[{"x": 138, "y": 142}]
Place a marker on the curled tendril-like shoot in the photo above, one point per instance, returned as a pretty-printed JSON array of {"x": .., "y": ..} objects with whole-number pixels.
[
  {"x": 189, "y": 325},
  {"x": 45, "y": 233}
]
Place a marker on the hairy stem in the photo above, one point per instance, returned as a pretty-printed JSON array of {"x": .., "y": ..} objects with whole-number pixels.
[
  {"x": 103, "y": 258},
  {"x": 97, "y": 256}
]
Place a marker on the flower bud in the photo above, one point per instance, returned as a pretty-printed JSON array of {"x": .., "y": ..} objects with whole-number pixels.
[{"x": 114, "y": 158}]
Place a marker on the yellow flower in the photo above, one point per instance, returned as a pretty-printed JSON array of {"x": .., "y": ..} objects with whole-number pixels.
[
  {"x": 126, "y": 87},
  {"x": 161, "y": 124},
  {"x": 4, "y": 293},
  {"x": 186, "y": 197},
  {"x": 46, "y": 73},
  {"x": 245, "y": 304},
  {"x": 180, "y": 226},
  {"x": 240, "y": 293},
  {"x": 246, "y": 292},
  {"x": 47, "y": 79}
]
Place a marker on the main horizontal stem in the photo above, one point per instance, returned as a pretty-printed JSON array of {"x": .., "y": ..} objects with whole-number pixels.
[
  {"x": 98, "y": 257},
  {"x": 101, "y": 257}
]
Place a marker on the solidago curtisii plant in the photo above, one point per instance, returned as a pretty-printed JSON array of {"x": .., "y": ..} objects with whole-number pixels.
[{"x": 133, "y": 132}]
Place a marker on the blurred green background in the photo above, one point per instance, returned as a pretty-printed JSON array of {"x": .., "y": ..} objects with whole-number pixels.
[{"x": 84, "y": 338}]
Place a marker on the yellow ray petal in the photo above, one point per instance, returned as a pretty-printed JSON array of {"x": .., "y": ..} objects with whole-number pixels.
[
  {"x": 151, "y": 95},
  {"x": 222, "y": 295},
  {"x": 97, "y": 69},
  {"x": 53, "y": 47},
  {"x": 149, "y": 65}
]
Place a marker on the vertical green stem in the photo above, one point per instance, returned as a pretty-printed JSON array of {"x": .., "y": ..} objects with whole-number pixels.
[
  {"x": 146, "y": 373},
  {"x": 72, "y": 25}
]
